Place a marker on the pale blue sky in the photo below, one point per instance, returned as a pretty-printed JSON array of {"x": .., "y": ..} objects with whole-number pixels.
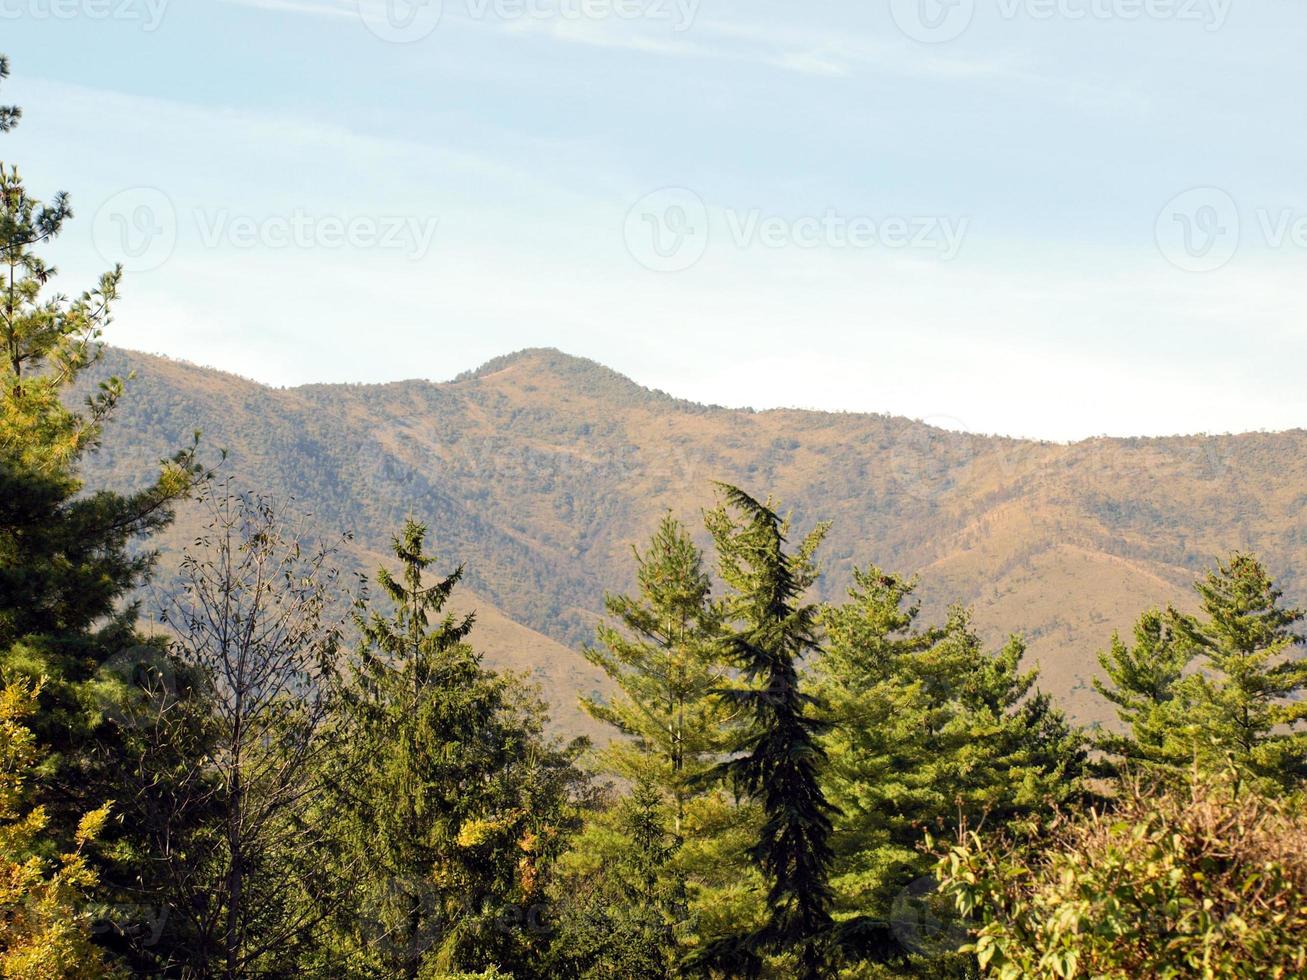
[{"x": 967, "y": 211}]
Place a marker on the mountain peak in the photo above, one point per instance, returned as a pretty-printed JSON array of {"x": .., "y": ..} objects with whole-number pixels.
[{"x": 580, "y": 374}]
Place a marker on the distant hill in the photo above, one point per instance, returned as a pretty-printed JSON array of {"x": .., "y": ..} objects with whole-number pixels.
[{"x": 540, "y": 471}]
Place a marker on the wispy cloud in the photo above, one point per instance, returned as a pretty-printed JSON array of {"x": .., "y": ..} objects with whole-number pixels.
[{"x": 316, "y": 8}]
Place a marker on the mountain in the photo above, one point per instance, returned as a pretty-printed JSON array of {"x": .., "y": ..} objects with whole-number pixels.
[{"x": 541, "y": 470}]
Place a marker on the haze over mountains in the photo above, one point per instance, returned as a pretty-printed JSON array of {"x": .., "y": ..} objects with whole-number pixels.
[{"x": 541, "y": 470}]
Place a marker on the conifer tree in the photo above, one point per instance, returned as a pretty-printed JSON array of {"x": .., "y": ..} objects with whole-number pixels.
[
  {"x": 1250, "y": 704},
  {"x": 70, "y": 557},
  {"x": 451, "y": 802},
  {"x": 927, "y": 727},
  {"x": 619, "y": 918},
  {"x": 779, "y": 758},
  {"x": 665, "y": 655},
  {"x": 67, "y": 559},
  {"x": 1146, "y": 684},
  {"x": 1241, "y": 705},
  {"x": 663, "y": 649}
]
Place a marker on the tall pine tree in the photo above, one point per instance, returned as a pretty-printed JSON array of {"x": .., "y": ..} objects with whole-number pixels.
[
  {"x": 1250, "y": 703},
  {"x": 664, "y": 652},
  {"x": 70, "y": 557},
  {"x": 927, "y": 726},
  {"x": 663, "y": 649}
]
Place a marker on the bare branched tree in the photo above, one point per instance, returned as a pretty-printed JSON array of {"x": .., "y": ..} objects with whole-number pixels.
[{"x": 259, "y": 617}]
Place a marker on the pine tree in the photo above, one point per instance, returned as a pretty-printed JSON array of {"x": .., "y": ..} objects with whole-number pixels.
[
  {"x": 451, "y": 802},
  {"x": 779, "y": 758},
  {"x": 1225, "y": 687},
  {"x": 664, "y": 651},
  {"x": 1146, "y": 684},
  {"x": 665, "y": 656},
  {"x": 927, "y": 727},
  {"x": 70, "y": 557},
  {"x": 1250, "y": 704},
  {"x": 67, "y": 559}
]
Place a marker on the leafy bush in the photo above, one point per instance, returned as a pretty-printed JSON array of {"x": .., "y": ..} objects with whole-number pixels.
[{"x": 1210, "y": 881}]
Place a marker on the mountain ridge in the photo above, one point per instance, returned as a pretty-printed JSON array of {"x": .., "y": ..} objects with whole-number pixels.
[
  {"x": 540, "y": 470},
  {"x": 578, "y": 365}
]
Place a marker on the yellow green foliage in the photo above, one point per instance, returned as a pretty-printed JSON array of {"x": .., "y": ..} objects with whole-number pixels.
[
  {"x": 43, "y": 935},
  {"x": 1209, "y": 881}
]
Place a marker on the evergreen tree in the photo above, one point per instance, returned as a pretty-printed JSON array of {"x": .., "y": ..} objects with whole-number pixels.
[
  {"x": 779, "y": 759},
  {"x": 451, "y": 802},
  {"x": 70, "y": 557},
  {"x": 1250, "y": 704},
  {"x": 927, "y": 727},
  {"x": 1146, "y": 684},
  {"x": 665, "y": 656},
  {"x": 619, "y": 917},
  {"x": 1243, "y": 703}
]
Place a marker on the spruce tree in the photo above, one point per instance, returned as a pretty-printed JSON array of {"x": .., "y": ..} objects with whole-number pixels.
[
  {"x": 451, "y": 802},
  {"x": 779, "y": 758}
]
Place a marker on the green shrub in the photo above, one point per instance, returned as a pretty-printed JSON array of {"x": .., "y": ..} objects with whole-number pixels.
[{"x": 1207, "y": 882}]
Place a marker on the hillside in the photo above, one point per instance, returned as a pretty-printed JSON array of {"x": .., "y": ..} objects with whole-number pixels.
[{"x": 540, "y": 470}]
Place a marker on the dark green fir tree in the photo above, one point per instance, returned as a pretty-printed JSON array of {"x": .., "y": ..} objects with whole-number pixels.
[{"x": 779, "y": 759}]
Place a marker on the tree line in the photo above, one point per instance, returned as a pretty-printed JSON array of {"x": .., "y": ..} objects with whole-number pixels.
[{"x": 294, "y": 773}]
